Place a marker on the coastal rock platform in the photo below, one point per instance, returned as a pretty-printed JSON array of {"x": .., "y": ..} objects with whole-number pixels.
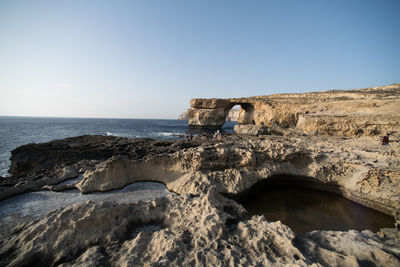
[{"x": 200, "y": 224}]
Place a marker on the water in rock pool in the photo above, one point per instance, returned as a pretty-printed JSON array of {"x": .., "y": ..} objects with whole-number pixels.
[
  {"x": 304, "y": 209},
  {"x": 36, "y": 205}
]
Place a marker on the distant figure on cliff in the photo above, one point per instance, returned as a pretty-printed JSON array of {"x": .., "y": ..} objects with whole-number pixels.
[{"x": 385, "y": 142}]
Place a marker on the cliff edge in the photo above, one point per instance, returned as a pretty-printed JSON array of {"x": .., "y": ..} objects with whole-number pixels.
[{"x": 360, "y": 112}]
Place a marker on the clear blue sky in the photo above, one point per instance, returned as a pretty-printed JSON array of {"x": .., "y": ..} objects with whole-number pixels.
[{"x": 147, "y": 59}]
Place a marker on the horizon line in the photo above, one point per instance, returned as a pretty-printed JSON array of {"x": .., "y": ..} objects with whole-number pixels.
[{"x": 68, "y": 117}]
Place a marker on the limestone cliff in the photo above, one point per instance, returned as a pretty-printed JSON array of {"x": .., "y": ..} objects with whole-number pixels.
[
  {"x": 362, "y": 112},
  {"x": 233, "y": 115}
]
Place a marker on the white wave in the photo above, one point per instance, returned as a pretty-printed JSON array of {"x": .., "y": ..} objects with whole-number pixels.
[
  {"x": 112, "y": 134},
  {"x": 164, "y": 134}
]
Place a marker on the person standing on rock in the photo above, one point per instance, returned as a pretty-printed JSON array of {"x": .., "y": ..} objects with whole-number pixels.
[
  {"x": 385, "y": 142},
  {"x": 217, "y": 135}
]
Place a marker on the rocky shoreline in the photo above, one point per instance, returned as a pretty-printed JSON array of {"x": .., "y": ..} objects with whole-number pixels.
[
  {"x": 324, "y": 140},
  {"x": 198, "y": 225}
]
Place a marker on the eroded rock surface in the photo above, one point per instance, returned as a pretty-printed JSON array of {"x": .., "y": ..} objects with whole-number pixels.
[
  {"x": 34, "y": 166},
  {"x": 200, "y": 226},
  {"x": 356, "y": 168},
  {"x": 184, "y": 230},
  {"x": 233, "y": 115}
]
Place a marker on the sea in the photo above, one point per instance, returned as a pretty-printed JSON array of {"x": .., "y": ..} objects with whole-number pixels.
[{"x": 18, "y": 131}]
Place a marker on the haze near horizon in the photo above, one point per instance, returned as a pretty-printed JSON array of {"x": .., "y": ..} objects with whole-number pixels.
[{"x": 147, "y": 59}]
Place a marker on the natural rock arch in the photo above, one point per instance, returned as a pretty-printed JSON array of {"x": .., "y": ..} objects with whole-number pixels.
[
  {"x": 362, "y": 112},
  {"x": 211, "y": 114}
]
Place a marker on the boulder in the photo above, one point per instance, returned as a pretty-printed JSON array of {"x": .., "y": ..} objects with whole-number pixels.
[{"x": 250, "y": 129}]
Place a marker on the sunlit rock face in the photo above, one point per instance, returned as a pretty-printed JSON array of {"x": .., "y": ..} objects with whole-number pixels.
[
  {"x": 250, "y": 129},
  {"x": 361, "y": 112},
  {"x": 208, "y": 113},
  {"x": 212, "y": 113},
  {"x": 233, "y": 115}
]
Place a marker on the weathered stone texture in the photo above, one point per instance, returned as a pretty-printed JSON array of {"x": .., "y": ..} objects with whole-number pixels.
[{"x": 250, "y": 129}]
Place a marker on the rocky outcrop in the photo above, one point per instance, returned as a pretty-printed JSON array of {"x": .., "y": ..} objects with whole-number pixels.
[
  {"x": 43, "y": 158},
  {"x": 362, "y": 112},
  {"x": 233, "y": 115},
  {"x": 250, "y": 129},
  {"x": 35, "y": 165}
]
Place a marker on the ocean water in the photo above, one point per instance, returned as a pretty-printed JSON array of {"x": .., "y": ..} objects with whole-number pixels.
[{"x": 17, "y": 131}]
